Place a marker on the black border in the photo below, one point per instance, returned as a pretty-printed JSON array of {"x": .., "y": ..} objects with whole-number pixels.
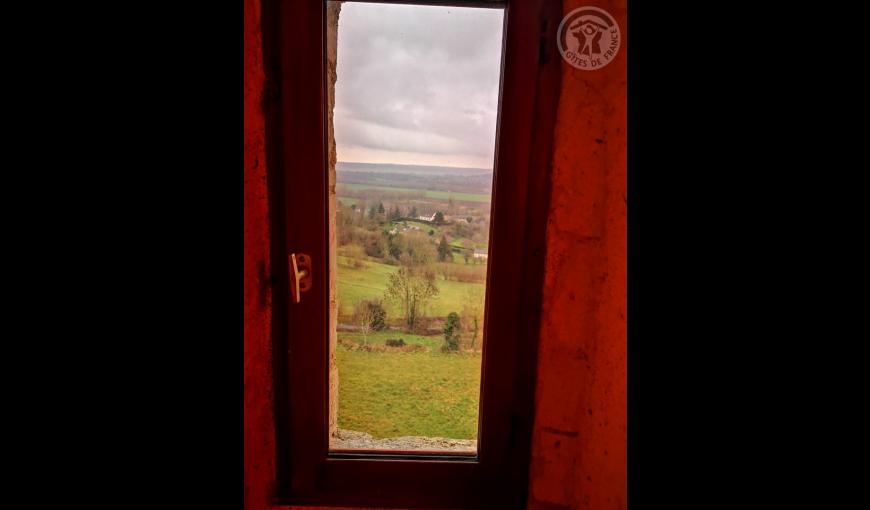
[{"x": 137, "y": 117}]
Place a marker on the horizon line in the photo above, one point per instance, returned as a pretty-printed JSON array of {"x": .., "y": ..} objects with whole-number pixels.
[{"x": 404, "y": 164}]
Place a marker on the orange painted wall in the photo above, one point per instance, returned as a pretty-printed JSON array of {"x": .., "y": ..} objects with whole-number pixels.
[
  {"x": 579, "y": 444},
  {"x": 259, "y": 429}
]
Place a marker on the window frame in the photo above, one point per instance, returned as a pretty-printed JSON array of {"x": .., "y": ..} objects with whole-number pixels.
[{"x": 294, "y": 44}]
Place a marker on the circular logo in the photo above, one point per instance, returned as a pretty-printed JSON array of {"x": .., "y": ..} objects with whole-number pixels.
[{"x": 588, "y": 38}]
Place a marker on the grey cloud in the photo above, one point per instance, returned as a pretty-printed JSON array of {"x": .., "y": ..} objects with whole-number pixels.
[{"x": 418, "y": 79}]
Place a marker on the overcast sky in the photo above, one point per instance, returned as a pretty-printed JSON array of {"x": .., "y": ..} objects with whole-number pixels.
[{"x": 417, "y": 85}]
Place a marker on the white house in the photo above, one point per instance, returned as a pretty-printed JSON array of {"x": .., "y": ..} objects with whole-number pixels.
[
  {"x": 481, "y": 254},
  {"x": 427, "y": 218}
]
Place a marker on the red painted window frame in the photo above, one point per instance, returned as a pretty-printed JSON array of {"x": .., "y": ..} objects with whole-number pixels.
[{"x": 294, "y": 104}]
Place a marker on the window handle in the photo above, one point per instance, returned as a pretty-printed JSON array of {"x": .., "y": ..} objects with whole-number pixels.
[{"x": 300, "y": 275}]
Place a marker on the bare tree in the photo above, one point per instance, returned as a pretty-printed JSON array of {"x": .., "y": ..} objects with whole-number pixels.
[
  {"x": 363, "y": 316},
  {"x": 412, "y": 288},
  {"x": 472, "y": 313}
]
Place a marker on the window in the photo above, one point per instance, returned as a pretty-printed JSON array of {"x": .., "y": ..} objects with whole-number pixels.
[
  {"x": 322, "y": 246},
  {"x": 414, "y": 113}
]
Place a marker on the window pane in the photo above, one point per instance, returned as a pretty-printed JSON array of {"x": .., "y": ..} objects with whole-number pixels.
[{"x": 413, "y": 112}]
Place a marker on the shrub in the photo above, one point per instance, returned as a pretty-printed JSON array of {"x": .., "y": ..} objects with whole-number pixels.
[
  {"x": 459, "y": 273},
  {"x": 375, "y": 246},
  {"x": 395, "y": 251},
  {"x": 451, "y": 332},
  {"x": 444, "y": 250},
  {"x": 355, "y": 256},
  {"x": 379, "y": 315}
]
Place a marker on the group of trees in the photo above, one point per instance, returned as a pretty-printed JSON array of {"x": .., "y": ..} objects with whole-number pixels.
[
  {"x": 411, "y": 288},
  {"x": 369, "y": 316},
  {"x": 353, "y": 226},
  {"x": 377, "y": 240},
  {"x": 468, "y": 325},
  {"x": 475, "y": 231},
  {"x": 378, "y": 212},
  {"x": 472, "y": 315}
]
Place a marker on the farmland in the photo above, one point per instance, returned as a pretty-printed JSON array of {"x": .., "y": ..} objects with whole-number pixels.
[
  {"x": 369, "y": 283},
  {"x": 413, "y": 274},
  {"x": 443, "y": 195}
]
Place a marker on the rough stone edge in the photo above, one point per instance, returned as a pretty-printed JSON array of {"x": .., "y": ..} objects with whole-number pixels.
[
  {"x": 350, "y": 439},
  {"x": 333, "y": 9}
]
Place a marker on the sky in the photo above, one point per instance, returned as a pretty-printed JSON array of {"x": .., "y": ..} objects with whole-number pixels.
[{"x": 417, "y": 85}]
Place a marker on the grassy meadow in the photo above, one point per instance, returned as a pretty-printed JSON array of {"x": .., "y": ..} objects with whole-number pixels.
[
  {"x": 380, "y": 337},
  {"x": 370, "y": 283},
  {"x": 410, "y": 391},
  {"x": 390, "y": 394}
]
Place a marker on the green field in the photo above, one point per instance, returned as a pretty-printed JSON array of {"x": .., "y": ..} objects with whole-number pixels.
[
  {"x": 348, "y": 201},
  {"x": 424, "y": 227},
  {"x": 370, "y": 283},
  {"x": 391, "y": 394},
  {"x": 380, "y": 337},
  {"x": 468, "y": 243},
  {"x": 468, "y": 197}
]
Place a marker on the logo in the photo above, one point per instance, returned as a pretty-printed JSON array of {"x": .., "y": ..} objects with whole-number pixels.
[{"x": 588, "y": 38}]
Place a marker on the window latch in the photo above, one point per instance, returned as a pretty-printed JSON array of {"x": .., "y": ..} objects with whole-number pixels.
[{"x": 300, "y": 275}]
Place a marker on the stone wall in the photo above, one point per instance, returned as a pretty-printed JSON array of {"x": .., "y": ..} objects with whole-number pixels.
[{"x": 332, "y": 13}]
